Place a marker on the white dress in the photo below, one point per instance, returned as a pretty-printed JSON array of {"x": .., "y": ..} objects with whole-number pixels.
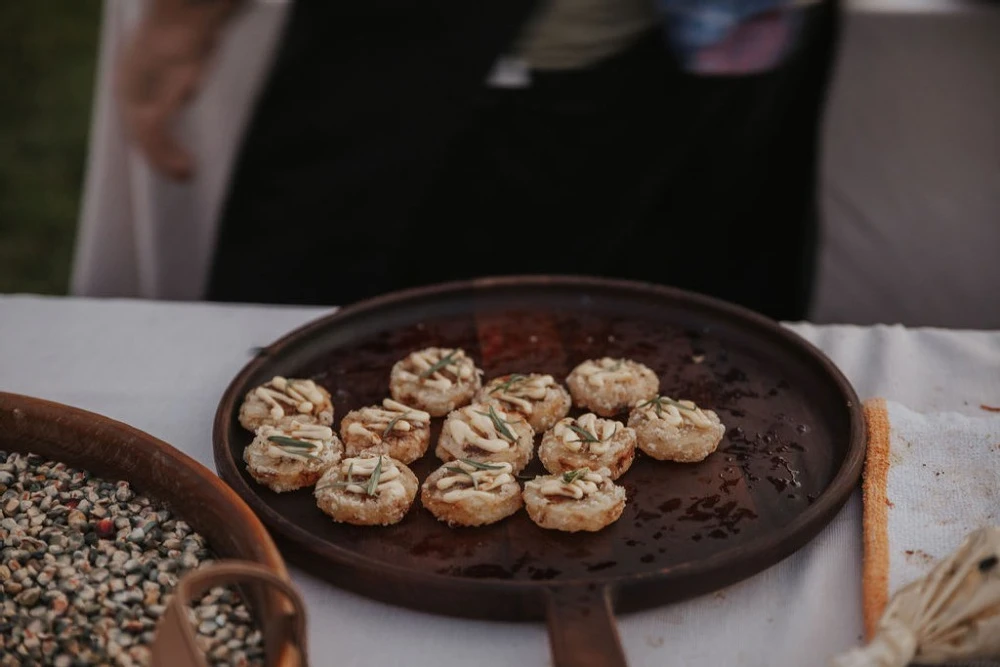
[{"x": 141, "y": 235}]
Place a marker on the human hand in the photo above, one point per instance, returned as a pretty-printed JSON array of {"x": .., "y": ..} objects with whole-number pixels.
[{"x": 159, "y": 71}]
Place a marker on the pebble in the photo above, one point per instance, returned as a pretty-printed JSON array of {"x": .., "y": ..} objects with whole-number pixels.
[
  {"x": 29, "y": 597},
  {"x": 59, "y": 604},
  {"x": 87, "y": 567},
  {"x": 105, "y": 527},
  {"x": 207, "y": 611},
  {"x": 220, "y": 653},
  {"x": 134, "y": 626}
]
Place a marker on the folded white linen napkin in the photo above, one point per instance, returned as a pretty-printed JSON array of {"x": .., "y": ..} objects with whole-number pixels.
[{"x": 931, "y": 481}]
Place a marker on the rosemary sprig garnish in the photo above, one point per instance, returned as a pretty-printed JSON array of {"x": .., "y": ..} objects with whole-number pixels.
[
  {"x": 479, "y": 465},
  {"x": 443, "y": 362},
  {"x": 293, "y": 446},
  {"x": 585, "y": 435},
  {"x": 572, "y": 475},
  {"x": 395, "y": 420},
  {"x": 340, "y": 485},
  {"x": 658, "y": 402},
  {"x": 617, "y": 367},
  {"x": 285, "y": 441},
  {"x": 462, "y": 471},
  {"x": 499, "y": 424},
  {"x": 373, "y": 480},
  {"x": 511, "y": 381}
]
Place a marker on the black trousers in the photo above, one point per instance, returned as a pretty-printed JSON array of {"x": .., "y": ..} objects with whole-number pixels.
[{"x": 631, "y": 168}]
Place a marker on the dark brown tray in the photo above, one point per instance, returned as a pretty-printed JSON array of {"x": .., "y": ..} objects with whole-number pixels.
[{"x": 791, "y": 456}]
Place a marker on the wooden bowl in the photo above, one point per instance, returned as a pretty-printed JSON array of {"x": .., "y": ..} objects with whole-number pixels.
[
  {"x": 115, "y": 451},
  {"x": 790, "y": 458}
]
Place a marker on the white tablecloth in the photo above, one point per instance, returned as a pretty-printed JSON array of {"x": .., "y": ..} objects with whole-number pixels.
[{"x": 162, "y": 368}]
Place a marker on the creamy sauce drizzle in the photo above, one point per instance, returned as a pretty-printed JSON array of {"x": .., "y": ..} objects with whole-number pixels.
[
  {"x": 473, "y": 482},
  {"x": 301, "y": 396},
  {"x": 458, "y": 369},
  {"x": 469, "y": 427},
  {"x": 361, "y": 470},
  {"x": 582, "y": 486},
  {"x": 686, "y": 413},
  {"x": 601, "y": 372},
  {"x": 373, "y": 422},
  {"x": 521, "y": 393},
  {"x": 602, "y": 429}
]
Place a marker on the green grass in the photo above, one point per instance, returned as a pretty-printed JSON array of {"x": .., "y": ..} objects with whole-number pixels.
[{"x": 48, "y": 54}]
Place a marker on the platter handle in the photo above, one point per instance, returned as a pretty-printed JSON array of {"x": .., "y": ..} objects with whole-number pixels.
[{"x": 582, "y": 627}]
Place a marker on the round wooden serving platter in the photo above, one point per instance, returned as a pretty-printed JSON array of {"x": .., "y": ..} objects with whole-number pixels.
[
  {"x": 792, "y": 453},
  {"x": 115, "y": 451}
]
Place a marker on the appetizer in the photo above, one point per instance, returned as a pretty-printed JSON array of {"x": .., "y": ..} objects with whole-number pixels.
[
  {"x": 291, "y": 457},
  {"x": 393, "y": 429},
  {"x": 588, "y": 442},
  {"x": 284, "y": 400},
  {"x": 471, "y": 493},
  {"x": 671, "y": 430},
  {"x": 576, "y": 500},
  {"x": 538, "y": 398},
  {"x": 367, "y": 490},
  {"x": 437, "y": 380},
  {"x": 610, "y": 386},
  {"x": 488, "y": 434}
]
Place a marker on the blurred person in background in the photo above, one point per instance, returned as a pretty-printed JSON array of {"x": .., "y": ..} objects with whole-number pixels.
[{"x": 398, "y": 143}]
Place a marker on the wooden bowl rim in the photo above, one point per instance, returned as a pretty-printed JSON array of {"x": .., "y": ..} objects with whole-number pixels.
[
  {"x": 41, "y": 410},
  {"x": 760, "y": 551}
]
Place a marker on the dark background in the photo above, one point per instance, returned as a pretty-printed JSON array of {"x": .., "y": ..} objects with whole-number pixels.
[{"x": 48, "y": 52}]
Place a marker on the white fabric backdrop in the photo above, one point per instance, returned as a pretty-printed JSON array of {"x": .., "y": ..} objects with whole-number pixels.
[
  {"x": 911, "y": 168},
  {"x": 162, "y": 368},
  {"x": 910, "y": 185}
]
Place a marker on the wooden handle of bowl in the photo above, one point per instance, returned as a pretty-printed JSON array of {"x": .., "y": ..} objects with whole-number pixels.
[
  {"x": 176, "y": 643},
  {"x": 582, "y": 628}
]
